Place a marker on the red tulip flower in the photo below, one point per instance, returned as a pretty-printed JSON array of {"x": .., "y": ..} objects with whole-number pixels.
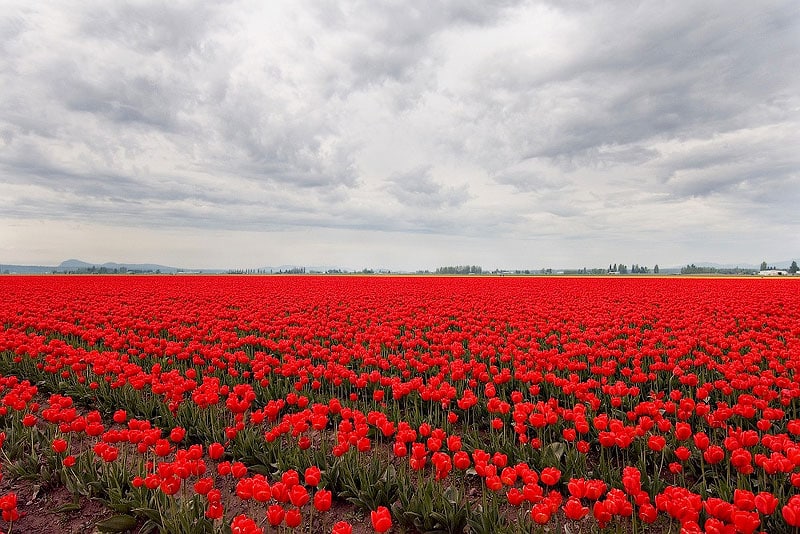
[
  {"x": 298, "y": 495},
  {"x": 275, "y": 514},
  {"x": 342, "y": 527},
  {"x": 293, "y": 518},
  {"x": 313, "y": 476},
  {"x": 177, "y": 434},
  {"x": 215, "y": 451},
  {"x": 215, "y": 510},
  {"x": 766, "y": 503},
  {"x": 573, "y": 509},
  {"x": 323, "y": 500},
  {"x": 204, "y": 485},
  {"x": 381, "y": 519},
  {"x": 550, "y": 476}
]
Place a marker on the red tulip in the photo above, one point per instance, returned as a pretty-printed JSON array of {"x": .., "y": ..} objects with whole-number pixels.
[
  {"x": 399, "y": 449},
  {"x": 215, "y": 451},
  {"x": 746, "y": 522},
  {"x": 298, "y": 495},
  {"x": 313, "y": 476},
  {"x": 515, "y": 497},
  {"x": 381, "y": 519},
  {"x": 290, "y": 478},
  {"x": 242, "y": 524},
  {"x": 177, "y": 434},
  {"x": 656, "y": 443},
  {"x": 766, "y": 503},
  {"x": 275, "y": 514},
  {"x": 204, "y": 485},
  {"x": 171, "y": 485},
  {"x": 714, "y": 454},
  {"x": 215, "y": 510},
  {"x": 461, "y": 460},
  {"x": 573, "y": 509},
  {"x": 120, "y": 416},
  {"x": 744, "y": 500},
  {"x": 540, "y": 513},
  {"x": 293, "y": 518},
  {"x": 648, "y": 513},
  {"x": 701, "y": 441},
  {"x": 683, "y": 453},
  {"x": 791, "y": 511},
  {"x": 550, "y": 476},
  {"x": 323, "y": 500},
  {"x": 342, "y": 527},
  {"x": 238, "y": 469}
]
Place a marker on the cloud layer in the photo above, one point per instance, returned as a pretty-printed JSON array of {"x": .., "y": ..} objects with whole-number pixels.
[{"x": 519, "y": 134}]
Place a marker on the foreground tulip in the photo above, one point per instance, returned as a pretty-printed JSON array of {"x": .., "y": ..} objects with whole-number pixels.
[
  {"x": 381, "y": 519},
  {"x": 766, "y": 503},
  {"x": 293, "y": 518},
  {"x": 298, "y": 495},
  {"x": 323, "y": 500},
  {"x": 59, "y": 445},
  {"x": 540, "y": 513},
  {"x": 275, "y": 514},
  {"x": 573, "y": 509},
  {"x": 215, "y": 510},
  {"x": 791, "y": 511},
  {"x": 550, "y": 476},
  {"x": 215, "y": 451},
  {"x": 177, "y": 434},
  {"x": 342, "y": 527},
  {"x": 242, "y": 524},
  {"x": 313, "y": 476}
]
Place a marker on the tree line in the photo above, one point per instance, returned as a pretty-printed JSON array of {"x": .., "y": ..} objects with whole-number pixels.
[
  {"x": 460, "y": 269},
  {"x": 635, "y": 269}
]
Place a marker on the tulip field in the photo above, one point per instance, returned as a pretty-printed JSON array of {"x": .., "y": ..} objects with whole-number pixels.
[{"x": 338, "y": 404}]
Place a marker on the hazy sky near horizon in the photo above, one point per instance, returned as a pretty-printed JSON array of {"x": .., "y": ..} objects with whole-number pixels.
[{"x": 404, "y": 135}]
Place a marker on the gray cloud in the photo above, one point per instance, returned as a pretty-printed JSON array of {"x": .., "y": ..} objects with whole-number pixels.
[
  {"x": 177, "y": 28},
  {"x": 418, "y": 189},
  {"x": 585, "y": 125}
]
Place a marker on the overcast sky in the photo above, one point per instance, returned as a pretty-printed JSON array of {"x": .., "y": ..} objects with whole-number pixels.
[{"x": 405, "y": 134}]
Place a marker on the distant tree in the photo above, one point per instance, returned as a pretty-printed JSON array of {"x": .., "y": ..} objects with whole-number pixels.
[
  {"x": 623, "y": 269},
  {"x": 655, "y": 269},
  {"x": 460, "y": 269},
  {"x": 793, "y": 267},
  {"x": 693, "y": 269},
  {"x": 763, "y": 266}
]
